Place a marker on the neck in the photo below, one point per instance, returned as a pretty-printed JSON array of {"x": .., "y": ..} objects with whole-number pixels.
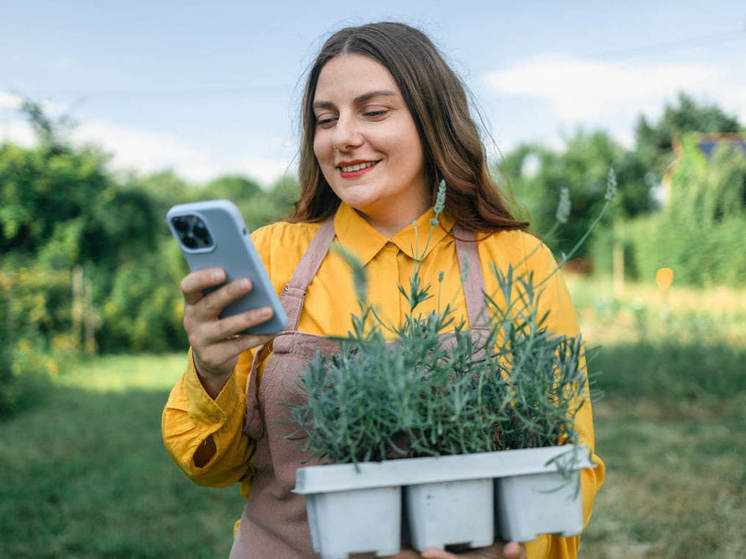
[{"x": 390, "y": 223}]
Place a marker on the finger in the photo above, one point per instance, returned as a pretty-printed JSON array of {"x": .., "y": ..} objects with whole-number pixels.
[
  {"x": 437, "y": 553},
  {"x": 220, "y": 358},
  {"x": 195, "y": 283},
  {"x": 404, "y": 554},
  {"x": 216, "y": 331},
  {"x": 514, "y": 550},
  {"x": 492, "y": 552},
  {"x": 211, "y": 305}
]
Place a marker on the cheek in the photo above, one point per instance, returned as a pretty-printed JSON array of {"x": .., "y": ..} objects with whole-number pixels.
[
  {"x": 320, "y": 148},
  {"x": 407, "y": 148}
]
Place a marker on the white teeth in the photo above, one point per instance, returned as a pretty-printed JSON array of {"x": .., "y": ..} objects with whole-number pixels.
[{"x": 357, "y": 167}]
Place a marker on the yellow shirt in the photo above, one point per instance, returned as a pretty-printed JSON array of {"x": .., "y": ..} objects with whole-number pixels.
[{"x": 191, "y": 416}]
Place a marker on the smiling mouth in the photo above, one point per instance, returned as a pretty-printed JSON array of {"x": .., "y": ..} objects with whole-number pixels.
[
  {"x": 356, "y": 170},
  {"x": 357, "y": 167}
]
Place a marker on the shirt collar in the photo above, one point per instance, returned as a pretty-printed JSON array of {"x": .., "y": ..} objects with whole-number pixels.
[{"x": 357, "y": 235}]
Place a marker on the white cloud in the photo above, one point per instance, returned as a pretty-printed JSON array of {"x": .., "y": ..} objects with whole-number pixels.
[
  {"x": 150, "y": 151},
  {"x": 580, "y": 91},
  {"x": 10, "y": 101},
  {"x": 144, "y": 150}
]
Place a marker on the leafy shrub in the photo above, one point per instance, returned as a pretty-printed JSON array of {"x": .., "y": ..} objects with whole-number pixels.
[
  {"x": 438, "y": 387},
  {"x": 700, "y": 231}
]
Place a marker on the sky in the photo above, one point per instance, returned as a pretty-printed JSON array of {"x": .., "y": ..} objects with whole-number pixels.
[{"x": 208, "y": 88}]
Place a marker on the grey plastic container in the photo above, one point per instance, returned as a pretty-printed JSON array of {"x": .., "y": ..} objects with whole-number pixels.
[
  {"x": 450, "y": 500},
  {"x": 530, "y": 505},
  {"x": 355, "y": 521},
  {"x": 451, "y": 512}
]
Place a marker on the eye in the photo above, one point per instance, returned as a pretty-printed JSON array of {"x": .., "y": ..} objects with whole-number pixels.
[
  {"x": 375, "y": 113},
  {"x": 325, "y": 121}
]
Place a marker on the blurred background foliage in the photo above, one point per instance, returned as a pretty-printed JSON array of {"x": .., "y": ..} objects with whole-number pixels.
[
  {"x": 87, "y": 262},
  {"x": 88, "y": 265}
]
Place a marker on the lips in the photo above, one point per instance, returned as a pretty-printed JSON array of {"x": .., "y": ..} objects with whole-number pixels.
[{"x": 351, "y": 169}]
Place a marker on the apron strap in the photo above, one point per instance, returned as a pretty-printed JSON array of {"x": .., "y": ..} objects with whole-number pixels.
[
  {"x": 467, "y": 252},
  {"x": 293, "y": 293}
]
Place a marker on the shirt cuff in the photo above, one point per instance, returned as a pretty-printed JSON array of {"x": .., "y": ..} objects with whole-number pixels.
[{"x": 202, "y": 409}]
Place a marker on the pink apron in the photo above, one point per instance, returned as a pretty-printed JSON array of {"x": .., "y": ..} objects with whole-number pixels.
[{"x": 274, "y": 524}]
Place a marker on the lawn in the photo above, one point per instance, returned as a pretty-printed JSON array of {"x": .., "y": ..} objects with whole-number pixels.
[{"x": 84, "y": 473}]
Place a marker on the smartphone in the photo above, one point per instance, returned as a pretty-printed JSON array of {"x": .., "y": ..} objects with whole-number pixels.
[{"x": 212, "y": 234}]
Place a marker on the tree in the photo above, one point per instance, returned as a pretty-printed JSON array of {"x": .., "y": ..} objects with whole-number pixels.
[
  {"x": 654, "y": 140},
  {"x": 537, "y": 175}
]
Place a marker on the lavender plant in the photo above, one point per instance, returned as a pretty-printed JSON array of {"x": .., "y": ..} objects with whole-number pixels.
[{"x": 438, "y": 387}]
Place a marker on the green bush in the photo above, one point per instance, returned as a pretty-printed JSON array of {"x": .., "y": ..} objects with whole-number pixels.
[
  {"x": 700, "y": 231},
  {"x": 698, "y": 256}
]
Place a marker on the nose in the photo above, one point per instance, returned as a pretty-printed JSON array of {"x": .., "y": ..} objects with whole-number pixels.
[{"x": 347, "y": 134}]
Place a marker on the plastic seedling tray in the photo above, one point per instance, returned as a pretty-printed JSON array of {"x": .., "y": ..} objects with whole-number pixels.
[
  {"x": 451, "y": 512},
  {"x": 357, "y": 508},
  {"x": 355, "y": 521},
  {"x": 536, "y": 504}
]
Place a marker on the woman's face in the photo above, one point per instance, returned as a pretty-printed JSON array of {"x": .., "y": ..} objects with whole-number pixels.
[{"x": 367, "y": 144}]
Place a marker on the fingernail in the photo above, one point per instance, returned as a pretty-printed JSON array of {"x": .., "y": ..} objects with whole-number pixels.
[
  {"x": 265, "y": 312},
  {"x": 216, "y": 276}
]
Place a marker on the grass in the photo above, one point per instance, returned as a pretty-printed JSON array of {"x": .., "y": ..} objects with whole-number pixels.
[
  {"x": 675, "y": 480},
  {"x": 84, "y": 473},
  {"x": 671, "y": 424}
]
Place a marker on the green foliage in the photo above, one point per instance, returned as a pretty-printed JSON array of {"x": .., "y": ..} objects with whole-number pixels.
[
  {"x": 654, "y": 141},
  {"x": 144, "y": 309},
  {"x": 7, "y": 382},
  {"x": 432, "y": 391},
  {"x": 440, "y": 388},
  {"x": 538, "y": 176},
  {"x": 699, "y": 233},
  {"x": 63, "y": 209}
]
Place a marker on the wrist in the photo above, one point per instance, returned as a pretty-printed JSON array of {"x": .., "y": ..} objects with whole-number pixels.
[{"x": 211, "y": 382}]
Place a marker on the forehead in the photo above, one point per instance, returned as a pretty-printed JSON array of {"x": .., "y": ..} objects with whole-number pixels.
[{"x": 351, "y": 75}]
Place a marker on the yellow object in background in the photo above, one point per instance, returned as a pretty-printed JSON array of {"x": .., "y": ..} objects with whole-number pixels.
[{"x": 664, "y": 278}]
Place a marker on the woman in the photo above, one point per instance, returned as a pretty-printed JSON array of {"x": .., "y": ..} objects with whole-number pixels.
[{"x": 384, "y": 120}]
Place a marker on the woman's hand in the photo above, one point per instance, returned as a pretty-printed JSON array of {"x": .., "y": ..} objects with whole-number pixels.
[
  {"x": 215, "y": 342},
  {"x": 500, "y": 550}
]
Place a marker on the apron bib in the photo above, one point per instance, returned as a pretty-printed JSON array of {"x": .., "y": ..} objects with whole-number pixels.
[{"x": 274, "y": 523}]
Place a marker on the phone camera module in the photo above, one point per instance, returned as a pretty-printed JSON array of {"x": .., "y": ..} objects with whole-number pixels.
[
  {"x": 189, "y": 241},
  {"x": 192, "y": 231},
  {"x": 180, "y": 224},
  {"x": 201, "y": 233}
]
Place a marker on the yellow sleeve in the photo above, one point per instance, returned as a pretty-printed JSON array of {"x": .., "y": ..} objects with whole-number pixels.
[
  {"x": 562, "y": 320},
  {"x": 192, "y": 421},
  {"x": 192, "y": 418}
]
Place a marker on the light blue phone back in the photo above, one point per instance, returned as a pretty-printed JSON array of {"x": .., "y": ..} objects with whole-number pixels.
[{"x": 233, "y": 251}]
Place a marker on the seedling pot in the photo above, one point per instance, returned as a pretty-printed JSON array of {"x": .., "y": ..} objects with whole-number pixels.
[
  {"x": 530, "y": 505},
  {"x": 472, "y": 499},
  {"x": 451, "y": 512}
]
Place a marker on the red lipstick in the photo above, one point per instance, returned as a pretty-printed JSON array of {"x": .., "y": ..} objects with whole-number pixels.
[{"x": 360, "y": 168}]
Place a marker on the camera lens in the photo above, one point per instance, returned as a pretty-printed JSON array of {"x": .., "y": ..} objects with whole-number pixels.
[
  {"x": 180, "y": 224},
  {"x": 189, "y": 241},
  {"x": 200, "y": 230}
]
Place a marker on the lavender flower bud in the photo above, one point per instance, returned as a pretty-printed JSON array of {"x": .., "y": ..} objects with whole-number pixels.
[
  {"x": 440, "y": 201},
  {"x": 563, "y": 208},
  {"x": 611, "y": 185}
]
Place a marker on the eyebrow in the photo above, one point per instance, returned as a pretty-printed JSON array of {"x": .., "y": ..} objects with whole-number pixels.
[{"x": 357, "y": 100}]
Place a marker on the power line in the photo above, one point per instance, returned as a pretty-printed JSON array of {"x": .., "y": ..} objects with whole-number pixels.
[{"x": 681, "y": 44}]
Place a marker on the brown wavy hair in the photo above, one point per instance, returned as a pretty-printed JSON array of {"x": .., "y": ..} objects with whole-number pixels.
[{"x": 438, "y": 104}]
